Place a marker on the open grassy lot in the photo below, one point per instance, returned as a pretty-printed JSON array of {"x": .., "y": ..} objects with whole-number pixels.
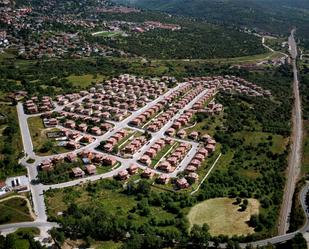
[
  {"x": 22, "y": 238},
  {"x": 107, "y": 244},
  {"x": 207, "y": 125},
  {"x": 277, "y": 143},
  {"x": 85, "y": 80},
  {"x": 39, "y": 137},
  {"x": 108, "y": 34},
  {"x": 107, "y": 197},
  {"x": 223, "y": 217},
  {"x": 37, "y": 132},
  {"x": 14, "y": 210}
]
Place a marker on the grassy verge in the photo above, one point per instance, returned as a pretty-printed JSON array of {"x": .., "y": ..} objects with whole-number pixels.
[
  {"x": 162, "y": 152},
  {"x": 10, "y": 143}
]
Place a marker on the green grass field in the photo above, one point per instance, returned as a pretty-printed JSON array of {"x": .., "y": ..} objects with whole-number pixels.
[
  {"x": 14, "y": 210},
  {"x": 208, "y": 125},
  {"x": 236, "y": 60},
  {"x": 254, "y": 138},
  {"x": 10, "y": 144},
  {"x": 85, "y": 80},
  {"x": 111, "y": 200},
  {"x": 223, "y": 217},
  {"x": 107, "y": 244},
  {"x": 37, "y": 132}
]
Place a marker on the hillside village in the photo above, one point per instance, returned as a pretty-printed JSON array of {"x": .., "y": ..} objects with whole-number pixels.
[{"x": 34, "y": 31}]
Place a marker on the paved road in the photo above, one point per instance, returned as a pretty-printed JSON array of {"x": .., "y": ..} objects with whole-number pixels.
[
  {"x": 37, "y": 190},
  {"x": 127, "y": 162},
  {"x": 43, "y": 226},
  {"x": 294, "y": 162}
]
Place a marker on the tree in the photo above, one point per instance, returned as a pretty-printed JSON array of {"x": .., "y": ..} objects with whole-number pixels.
[
  {"x": 47, "y": 146},
  {"x": 298, "y": 242},
  {"x": 199, "y": 236}
]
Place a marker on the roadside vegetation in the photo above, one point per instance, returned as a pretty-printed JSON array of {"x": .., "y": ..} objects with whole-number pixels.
[
  {"x": 21, "y": 239},
  {"x": 10, "y": 142}
]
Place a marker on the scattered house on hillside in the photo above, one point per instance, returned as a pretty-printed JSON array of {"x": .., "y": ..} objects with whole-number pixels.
[
  {"x": 193, "y": 135},
  {"x": 192, "y": 177},
  {"x": 148, "y": 173},
  {"x": 163, "y": 179},
  {"x": 190, "y": 168},
  {"x": 123, "y": 175},
  {"x": 77, "y": 172},
  {"x": 91, "y": 169},
  {"x": 181, "y": 134},
  {"x": 133, "y": 169},
  {"x": 71, "y": 157},
  {"x": 109, "y": 161},
  {"x": 210, "y": 148},
  {"x": 182, "y": 183},
  {"x": 47, "y": 165},
  {"x": 145, "y": 160},
  {"x": 170, "y": 132}
]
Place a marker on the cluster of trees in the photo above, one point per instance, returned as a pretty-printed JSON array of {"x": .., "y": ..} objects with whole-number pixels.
[
  {"x": 137, "y": 228},
  {"x": 15, "y": 240},
  {"x": 140, "y": 227},
  {"x": 194, "y": 41},
  {"x": 304, "y": 88},
  {"x": 264, "y": 15}
]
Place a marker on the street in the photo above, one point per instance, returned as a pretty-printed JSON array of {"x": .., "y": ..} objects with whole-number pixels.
[{"x": 294, "y": 162}]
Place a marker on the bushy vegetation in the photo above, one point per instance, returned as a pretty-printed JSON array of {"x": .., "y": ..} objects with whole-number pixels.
[
  {"x": 194, "y": 41},
  {"x": 10, "y": 143},
  {"x": 265, "y": 15},
  {"x": 20, "y": 239}
]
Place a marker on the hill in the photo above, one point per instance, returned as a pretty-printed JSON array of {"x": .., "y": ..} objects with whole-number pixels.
[{"x": 272, "y": 16}]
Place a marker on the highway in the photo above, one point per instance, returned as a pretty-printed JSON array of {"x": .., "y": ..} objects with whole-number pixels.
[{"x": 294, "y": 162}]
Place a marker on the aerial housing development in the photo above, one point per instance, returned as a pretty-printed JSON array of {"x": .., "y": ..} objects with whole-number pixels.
[{"x": 137, "y": 124}]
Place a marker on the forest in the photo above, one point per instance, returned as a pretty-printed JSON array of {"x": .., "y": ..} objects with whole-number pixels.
[
  {"x": 266, "y": 15},
  {"x": 195, "y": 40}
]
